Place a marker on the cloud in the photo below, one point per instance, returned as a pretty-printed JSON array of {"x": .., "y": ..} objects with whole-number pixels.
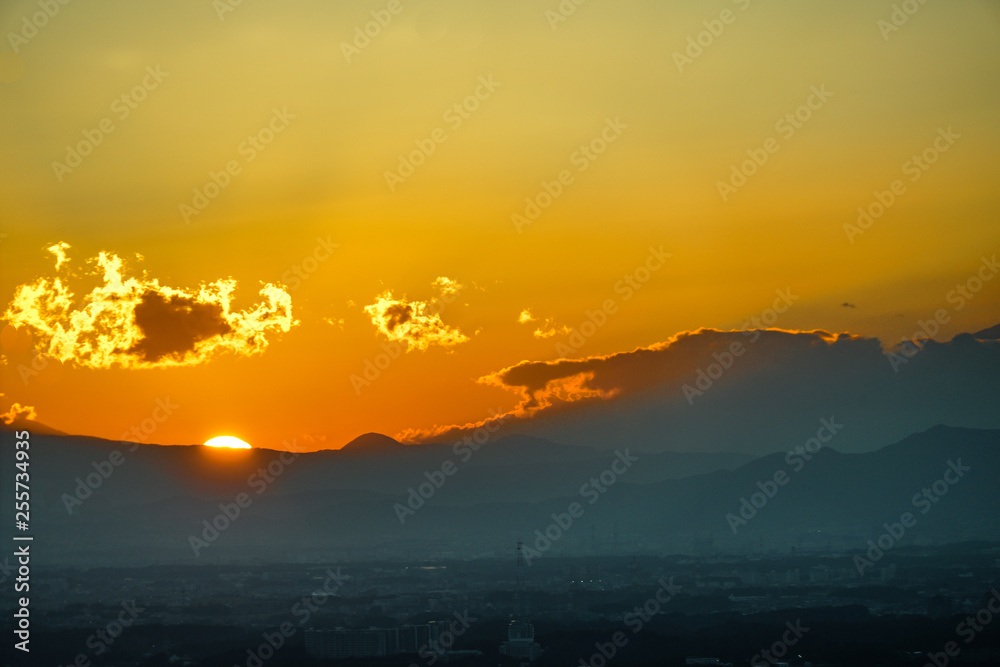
[
  {"x": 172, "y": 326},
  {"x": 447, "y": 286},
  {"x": 59, "y": 250},
  {"x": 417, "y": 324},
  {"x": 993, "y": 333},
  {"x": 549, "y": 328},
  {"x": 138, "y": 323},
  {"x": 18, "y": 411},
  {"x": 765, "y": 399}
]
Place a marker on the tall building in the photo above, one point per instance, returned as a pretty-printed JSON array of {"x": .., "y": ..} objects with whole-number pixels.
[{"x": 520, "y": 642}]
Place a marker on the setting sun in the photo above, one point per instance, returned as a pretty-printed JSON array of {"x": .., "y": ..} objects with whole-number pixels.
[{"x": 227, "y": 441}]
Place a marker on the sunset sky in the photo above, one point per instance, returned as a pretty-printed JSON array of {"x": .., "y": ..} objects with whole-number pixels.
[{"x": 256, "y": 307}]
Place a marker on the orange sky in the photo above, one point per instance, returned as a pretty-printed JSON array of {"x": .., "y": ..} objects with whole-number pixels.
[{"x": 254, "y": 313}]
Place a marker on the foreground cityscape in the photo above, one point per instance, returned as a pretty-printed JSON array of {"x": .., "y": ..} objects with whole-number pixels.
[{"x": 789, "y": 608}]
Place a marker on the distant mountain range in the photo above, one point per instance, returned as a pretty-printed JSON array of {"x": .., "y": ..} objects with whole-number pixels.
[
  {"x": 143, "y": 506},
  {"x": 509, "y": 468}
]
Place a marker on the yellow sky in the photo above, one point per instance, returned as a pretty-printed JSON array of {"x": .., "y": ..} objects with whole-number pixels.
[{"x": 530, "y": 95}]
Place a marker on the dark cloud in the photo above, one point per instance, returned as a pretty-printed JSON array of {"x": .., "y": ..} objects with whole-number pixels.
[
  {"x": 993, "y": 333},
  {"x": 172, "y": 326},
  {"x": 397, "y": 314},
  {"x": 690, "y": 393}
]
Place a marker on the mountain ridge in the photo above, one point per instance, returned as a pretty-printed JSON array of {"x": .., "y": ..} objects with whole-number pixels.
[{"x": 150, "y": 503}]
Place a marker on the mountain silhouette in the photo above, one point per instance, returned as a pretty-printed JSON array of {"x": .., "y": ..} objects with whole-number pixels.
[
  {"x": 373, "y": 443},
  {"x": 320, "y": 504}
]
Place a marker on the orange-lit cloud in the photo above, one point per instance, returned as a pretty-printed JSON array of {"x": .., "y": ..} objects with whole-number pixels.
[
  {"x": 417, "y": 324},
  {"x": 440, "y": 433},
  {"x": 138, "y": 323},
  {"x": 547, "y": 329},
  {"x": 644, "y": 367},
  {"x": 558, "y": 390},
  {"x": 59, "y": 250},
  {"x": 548, "y": 384},
  {"x": 18, "y": 411},
  {"x": 692, "y": 392}
]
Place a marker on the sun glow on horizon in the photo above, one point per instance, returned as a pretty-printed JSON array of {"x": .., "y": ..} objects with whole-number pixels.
[{"x": 227, "y": 441}]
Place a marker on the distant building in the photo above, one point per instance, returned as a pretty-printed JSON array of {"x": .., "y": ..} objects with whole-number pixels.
[
  {"x": 344, "y": 643},
  {"x": 373, "y": 642},
  {"x": 520, "y": 642},
  {"x": 412, "y": 638}
]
